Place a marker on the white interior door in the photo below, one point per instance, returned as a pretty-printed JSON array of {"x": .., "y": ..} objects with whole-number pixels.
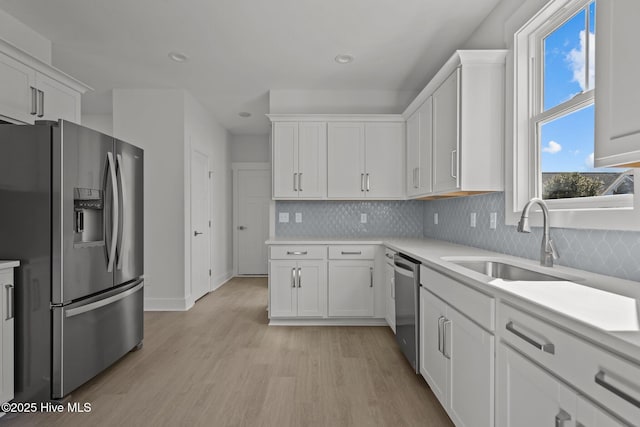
[
  {"x": 200, "y": 230},
  {"x": 254, "y": 195}
]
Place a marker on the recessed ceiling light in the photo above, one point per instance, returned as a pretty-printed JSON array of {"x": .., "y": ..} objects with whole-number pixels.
[
  {"x": 178, "y": 57},
  {"x": 344, "y": 58},
  {"x": 244, "y": 114}
]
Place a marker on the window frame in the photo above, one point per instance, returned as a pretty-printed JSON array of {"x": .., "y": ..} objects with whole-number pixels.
[{"x": 525, "y": 76}]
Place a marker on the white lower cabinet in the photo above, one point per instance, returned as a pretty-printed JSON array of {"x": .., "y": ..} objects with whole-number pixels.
[
  {"x": 6, "y": 335},
  {"x": 528, "y": 396},
  {"x": 297, "y": 289},
  {"x": 351, "y": 288},
  {"x": 457, "y": 361}
]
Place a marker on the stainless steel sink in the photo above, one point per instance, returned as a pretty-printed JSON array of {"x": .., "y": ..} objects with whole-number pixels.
[{"x": 504, "y": 271}]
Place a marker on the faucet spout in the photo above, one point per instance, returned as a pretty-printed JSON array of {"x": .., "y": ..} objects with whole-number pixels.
[{"x": 548, "y": 251}]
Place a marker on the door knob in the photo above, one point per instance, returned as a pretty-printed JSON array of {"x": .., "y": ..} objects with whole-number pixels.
[
  {"x": 242, "y": 227},
  {"x": 196, "y": 233}
]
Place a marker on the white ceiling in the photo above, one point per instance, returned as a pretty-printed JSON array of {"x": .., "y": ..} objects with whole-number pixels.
[{"x": 239, "y": 49}]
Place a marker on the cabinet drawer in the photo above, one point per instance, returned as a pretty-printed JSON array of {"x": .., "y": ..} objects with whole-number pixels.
[
  {"x": 299, "y": 252},
  {"x": 609, "y": 380},
  {"x": 352, "y": 252},
  {"x": 477, "y": 306}
]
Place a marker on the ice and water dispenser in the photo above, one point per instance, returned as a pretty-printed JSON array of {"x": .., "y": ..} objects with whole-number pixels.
[{"x": 88, "y": 210}]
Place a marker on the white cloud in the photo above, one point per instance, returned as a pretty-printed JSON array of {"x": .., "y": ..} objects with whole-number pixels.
[
  {"x": 552, "y": 147},
  {"x": 577, "y": 61},
  {"x": 589, "y": 161}
]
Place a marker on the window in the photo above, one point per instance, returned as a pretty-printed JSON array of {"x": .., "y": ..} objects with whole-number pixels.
[{"x": 554, "y": 121}]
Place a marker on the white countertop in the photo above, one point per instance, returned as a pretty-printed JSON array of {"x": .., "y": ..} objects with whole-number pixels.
[
  {"x": 8, "y": 264},
  {"x": 601, "y": 309}
]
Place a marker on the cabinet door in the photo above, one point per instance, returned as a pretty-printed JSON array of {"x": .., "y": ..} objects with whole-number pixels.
[
  {"x": 413, "y": 154},
  {"x": 471, "y": 371},
  {"x": 530, "y": 397},
  {"x": 433, "y": 364},
  {"x": 282, "y": 289},
  {"x": 390, "y": 301},
  {"x": 446, "y": 127},
  {"x": 312, "y": 289},
  {"x": 59, "y": 101},
  {"x": 285, "y": 160},
  {"x": 425, "y": 182},
  {"x": 384, "y": 160},
  {"x": 312, "y": 160},
  {"x": 345, "y": 171},
  {"x": 17, "y": 100},
  {"x": 617, "y": 139},
  {"x": 351, "y": 289},
  {"x": 6, "y": 337}
]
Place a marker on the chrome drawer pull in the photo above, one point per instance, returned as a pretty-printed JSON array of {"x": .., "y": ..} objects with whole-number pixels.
[
  {"x": 351, "y": 253},
  {"x": 547, "y": 348},
  {"x": 562, "y": 417},
  {"x": 441, "y": 320},
  {"x": 296, "y": 253},
  {"x": 600, "y": 380}
]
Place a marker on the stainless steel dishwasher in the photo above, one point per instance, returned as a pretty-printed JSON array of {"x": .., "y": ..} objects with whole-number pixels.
[{"x": 407, "y": 281}]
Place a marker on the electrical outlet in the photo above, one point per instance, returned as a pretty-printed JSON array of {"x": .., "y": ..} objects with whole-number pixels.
[
  {"x": 493, "y": 220},
  {"x": 283, "y": 217},
  {"x": 472, "y": 219},
  {"x": 298, "y": 217},
  {"x": 435, "y": 218},
  {"x": 363, "y": 218}
]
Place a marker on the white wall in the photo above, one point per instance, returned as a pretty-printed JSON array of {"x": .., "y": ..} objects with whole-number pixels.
[
  {"x": 100, "y": 122},
  {"x": 250, "y": 148},
  {"x": 339, "y": 101},
  {"x": 24, "y": 38},
  {"x": 153, "y": 120}
]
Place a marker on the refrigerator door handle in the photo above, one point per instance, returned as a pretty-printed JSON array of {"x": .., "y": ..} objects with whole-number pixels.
[
  {"x": 122, "y": 236},
  {"x": 116, "y": 213},
  {"x": 101, "y": 303}
]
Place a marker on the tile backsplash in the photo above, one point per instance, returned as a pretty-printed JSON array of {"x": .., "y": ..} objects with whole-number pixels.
[
  {"x": 342, "y": 219},
  {"x": 614, "y": 253}
]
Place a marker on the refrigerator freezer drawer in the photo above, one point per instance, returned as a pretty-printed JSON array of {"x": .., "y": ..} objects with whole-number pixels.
[{"x": 90, "y": 335}]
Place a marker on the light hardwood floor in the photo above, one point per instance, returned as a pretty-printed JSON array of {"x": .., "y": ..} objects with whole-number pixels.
[{"x": 219, "y": 364}]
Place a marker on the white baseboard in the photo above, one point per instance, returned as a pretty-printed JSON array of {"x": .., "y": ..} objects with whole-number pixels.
[
  {"x": 167, "y": 304},
  {"x": 329, "y": 322},
  {"x": 220, "y": 280}
]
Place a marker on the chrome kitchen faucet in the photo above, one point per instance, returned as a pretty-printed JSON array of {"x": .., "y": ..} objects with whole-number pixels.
[{"x": 548, "y": 251}]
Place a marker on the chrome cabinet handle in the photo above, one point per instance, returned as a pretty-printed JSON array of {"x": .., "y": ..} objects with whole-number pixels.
[
  {"x": 601, "y": 381},
  {"x": 34, "y": 101},
  {"x": 368, "y": 183},
  {"x": 197, "y": 233},
  {"x": 116, "y": 213},
  {"x": 295, "y": 186},
  {"x": 41, "y": 102},
  {"x": 562, "y": 417},
  {"x": 125, "y": 214},
  {"x": 351, "y": 253},
  {"x": 444, "y": 338},
  {"x": 296, "y": 253},
  {"x": 10, "y": 302},
  {"x": 361, "y": 182},
  {"x": 371, "y": 277},
  {"x": 299, "y": 277},
  {"x": 440, "y": 344},
  {"x": 547, "y": 348},
  {"x": 453, "y": 155},
  {"x": 242, "y": 227},
  {"x": 300, "y": 181},
  {"x": 293, "y": 277}
]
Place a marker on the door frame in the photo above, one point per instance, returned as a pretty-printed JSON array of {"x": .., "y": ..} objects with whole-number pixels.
[
  {"x": 236, "y": 168},
  {"x": 195, "y": 148}
]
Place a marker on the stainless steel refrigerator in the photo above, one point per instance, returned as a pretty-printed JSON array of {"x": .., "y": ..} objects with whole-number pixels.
[{"x": 71, "y": 210}]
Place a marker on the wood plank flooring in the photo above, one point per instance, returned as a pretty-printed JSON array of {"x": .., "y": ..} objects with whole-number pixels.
[{"x": 219, "y": 364}]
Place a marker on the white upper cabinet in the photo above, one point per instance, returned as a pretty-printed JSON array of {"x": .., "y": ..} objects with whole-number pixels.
[
  {"x": 467, "y": 122},
  {"x": 420, "y": 150},
  {"x": 617, "y": 95},
  {"x": 31, "y": 90},
  {"x": 299, "y": 160},
  {"x": 366, "y": 160}
]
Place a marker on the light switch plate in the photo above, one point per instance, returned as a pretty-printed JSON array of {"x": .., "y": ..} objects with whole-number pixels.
[
  {"x": 435, "y": 218},
  {"x": 283, "y": 217},
  {"x": 472, "y": 219},
  {"x": 363, "y": 218},
  {"x": 493, "y": 220},
  {"x": 298, "y": 217}
]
